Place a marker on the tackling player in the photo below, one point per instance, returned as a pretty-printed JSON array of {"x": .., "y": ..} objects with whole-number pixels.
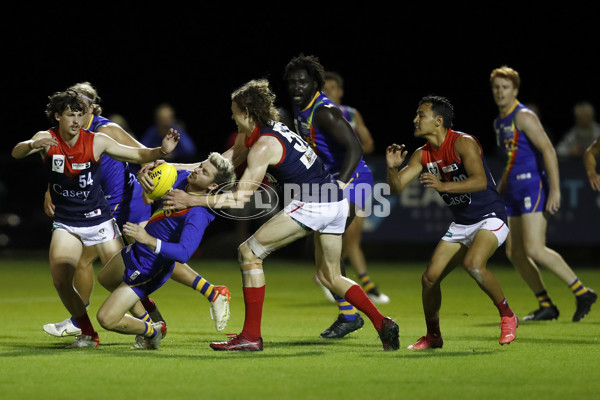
[{"x": 319, "y": 207}]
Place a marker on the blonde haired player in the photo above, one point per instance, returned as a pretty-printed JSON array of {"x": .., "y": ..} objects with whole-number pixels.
[
  {"x": 168, "y": 237},
  {"x": 530, "y": 187}
]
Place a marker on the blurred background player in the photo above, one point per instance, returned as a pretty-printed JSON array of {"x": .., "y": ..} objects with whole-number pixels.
[
  {"x": 590, "y": 159},
  {"x": 165, "y": 119},
  {"x": 530, "y": 186},
  {"x": 144, "y": 266},
  {"x": 581, "y": 135},
  {"x": 334, "y": 90},
  {"x": 452, "y": 163},
  {"x": 82, "y": 215}
]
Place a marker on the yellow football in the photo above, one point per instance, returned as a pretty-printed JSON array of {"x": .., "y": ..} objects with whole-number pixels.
[{"x": 163, "y": 176}]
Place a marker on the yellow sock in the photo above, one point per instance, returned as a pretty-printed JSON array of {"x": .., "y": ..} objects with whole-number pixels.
[{"x": 577, "y": 287}]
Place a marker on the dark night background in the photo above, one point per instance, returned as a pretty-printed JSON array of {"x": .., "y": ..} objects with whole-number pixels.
[{"x": 194, "y": 55}]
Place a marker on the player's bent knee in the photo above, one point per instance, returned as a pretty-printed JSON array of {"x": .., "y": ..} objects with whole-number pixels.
[
  {"x": 252, "y": 251},
  {"x": 476, "y": 273},
  {"x": 429, "y": 281},
  {"x": 105, "y": 320}
]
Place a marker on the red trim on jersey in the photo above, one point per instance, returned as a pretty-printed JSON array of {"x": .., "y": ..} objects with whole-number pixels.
[
  {"x": 250, "y": 140},
  {"x": 161, "y": 214}
]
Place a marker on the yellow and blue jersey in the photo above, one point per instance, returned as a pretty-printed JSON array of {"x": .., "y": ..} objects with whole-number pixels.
[
  {"x": 120, "y": 185},
  {"x": 331, "y": 152},
  {"x": 180, "y": 233},
  {"x": 526, "y": 182}
]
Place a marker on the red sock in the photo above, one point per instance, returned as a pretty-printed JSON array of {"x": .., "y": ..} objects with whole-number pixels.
[
  {"x": 85, "y": 325},
  {"x": 504, "y": 309},
  {"x": 359, "y": 299},
  {"x": 148, "y": 304},
  {"x": 253, "y": 302}
]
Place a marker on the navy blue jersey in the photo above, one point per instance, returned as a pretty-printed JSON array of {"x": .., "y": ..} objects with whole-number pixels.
[
  {"x": 299, "y": 167},
  {"x": 467, "y": 208},
  {"x": 74, "y": 181}
]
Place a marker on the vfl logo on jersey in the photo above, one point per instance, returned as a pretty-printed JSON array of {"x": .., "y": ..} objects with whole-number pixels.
[
  {"x": 433, "y": 169},
  {"x": 80, "y": 166},
  {"x": 134, "y": 275},
  {"x": 527, "y": 202},
  {"x": 58, "y": 163}
]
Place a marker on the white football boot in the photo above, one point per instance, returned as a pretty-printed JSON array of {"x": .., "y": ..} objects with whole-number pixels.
[
  {"x": 219, "y": 307},
  {"x": 61, "y": 329}
]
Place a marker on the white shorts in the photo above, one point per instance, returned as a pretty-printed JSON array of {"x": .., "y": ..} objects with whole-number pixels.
[
  {"x": 92, "y": 235},
  {"x": 465, "y": 234},
  {"x": 320, "y": 217}
]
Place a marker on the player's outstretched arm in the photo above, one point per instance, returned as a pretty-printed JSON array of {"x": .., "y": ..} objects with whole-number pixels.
[
  {"x": 105, "y": 144},
  {"x": 40, "y": 141}
]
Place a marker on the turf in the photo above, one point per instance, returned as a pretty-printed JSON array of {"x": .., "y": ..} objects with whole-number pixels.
[{"x": 549, "y": 360}]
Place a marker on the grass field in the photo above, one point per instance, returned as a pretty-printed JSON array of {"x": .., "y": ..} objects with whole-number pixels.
[{"x": 549, "y": 360}]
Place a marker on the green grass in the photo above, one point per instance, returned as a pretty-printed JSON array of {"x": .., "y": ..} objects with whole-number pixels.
[{"x": 549, "y": 360}]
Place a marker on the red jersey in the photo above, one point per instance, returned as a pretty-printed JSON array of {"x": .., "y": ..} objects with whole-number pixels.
[
  {"x": 74, "y": 181},
  {"x": 467, "y": 208}
]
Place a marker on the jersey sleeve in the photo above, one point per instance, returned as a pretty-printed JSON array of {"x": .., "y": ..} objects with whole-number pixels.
[{"x": 191, "y": 236}]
